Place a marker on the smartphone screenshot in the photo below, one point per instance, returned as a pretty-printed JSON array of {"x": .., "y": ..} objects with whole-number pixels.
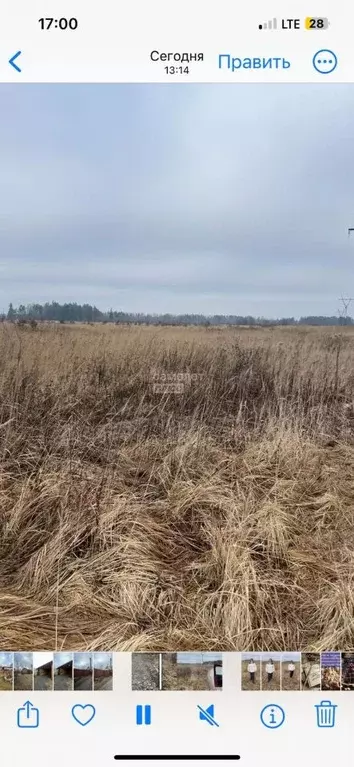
[{"x": 176, "y": 383}]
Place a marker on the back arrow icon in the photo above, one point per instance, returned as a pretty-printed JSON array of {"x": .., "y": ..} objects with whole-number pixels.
[{"x": 13, "y": 59}]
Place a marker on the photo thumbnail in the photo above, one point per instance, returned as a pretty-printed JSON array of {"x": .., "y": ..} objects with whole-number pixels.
[
  {"x": 291, "y": 671},
  {"x": 177, "y": 671}
]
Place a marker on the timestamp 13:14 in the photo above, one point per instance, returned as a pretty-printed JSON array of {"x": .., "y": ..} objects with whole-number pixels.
[{"x": 176, "y": 70}]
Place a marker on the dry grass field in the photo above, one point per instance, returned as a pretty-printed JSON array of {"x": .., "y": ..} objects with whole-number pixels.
[
  {"x": 290, "y": 683},
  {"x": 184, "y": 676},
  {"x": 246, "y": 683},
  {"x": 274, "y": 684},
  {"x": 6, "y": 676},
  {"x": 169, "y": 676},
  {"x": 23, "y": 681},
  {"x": 217, "y": 516}
]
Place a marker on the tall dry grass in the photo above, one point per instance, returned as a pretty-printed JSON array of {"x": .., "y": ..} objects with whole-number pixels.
[{"x": 221, "y": 517}]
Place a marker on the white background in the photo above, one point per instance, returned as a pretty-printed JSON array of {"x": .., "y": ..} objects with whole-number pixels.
[
  {"x": 114, "y": 40},
  {"x": 176, "y": 727}
]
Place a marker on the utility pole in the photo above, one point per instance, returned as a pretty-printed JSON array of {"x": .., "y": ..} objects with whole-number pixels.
[{"x": 343, "y": 312}]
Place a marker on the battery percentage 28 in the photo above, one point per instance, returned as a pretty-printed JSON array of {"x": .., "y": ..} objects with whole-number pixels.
[{"x": 316, "y": 22}]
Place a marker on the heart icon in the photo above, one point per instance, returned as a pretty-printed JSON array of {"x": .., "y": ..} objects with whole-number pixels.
[{"x": 83, "y": 714}]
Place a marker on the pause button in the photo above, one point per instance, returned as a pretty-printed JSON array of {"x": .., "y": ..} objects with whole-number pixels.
[{"x": 143, "y": 714}]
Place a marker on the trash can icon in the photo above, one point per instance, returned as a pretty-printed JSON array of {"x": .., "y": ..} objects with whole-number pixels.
[{"x": 326, "y": 714}]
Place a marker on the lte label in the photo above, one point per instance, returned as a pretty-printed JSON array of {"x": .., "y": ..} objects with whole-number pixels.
[{"x": 290, "y": 23}]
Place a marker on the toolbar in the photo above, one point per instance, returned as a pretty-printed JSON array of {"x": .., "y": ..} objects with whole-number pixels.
[{"x": 202, "y": 42}]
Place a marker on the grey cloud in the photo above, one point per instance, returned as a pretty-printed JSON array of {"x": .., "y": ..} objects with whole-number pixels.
[{"x": 199, "y": 198}]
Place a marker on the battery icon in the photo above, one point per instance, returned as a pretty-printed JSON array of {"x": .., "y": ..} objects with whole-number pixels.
[{"x": 316, "y": 22}]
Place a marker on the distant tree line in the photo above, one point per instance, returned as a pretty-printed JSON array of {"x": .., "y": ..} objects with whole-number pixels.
[{"x": 72, "y": 312}]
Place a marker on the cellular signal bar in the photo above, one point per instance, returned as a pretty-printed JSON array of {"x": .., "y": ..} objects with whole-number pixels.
[{"x": 271, "y": 24}]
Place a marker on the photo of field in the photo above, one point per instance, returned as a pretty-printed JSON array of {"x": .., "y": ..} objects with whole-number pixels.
[
  {"x": 277, "y": 471},
  {"x": 291, "y": 671},
  {"x": 6, "y": 671},
  {"x": 270, "y": 679},
  {"x": 23, "y": 671},
  {"x": 190, "y": 671},
  {"x": 251, "y": 671},
  {"x": 177, "y": 371},
  {"x": 168, "y": 679}
]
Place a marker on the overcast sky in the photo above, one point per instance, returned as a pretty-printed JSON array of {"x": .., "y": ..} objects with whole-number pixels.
[
  {"x": 103, "y": 660},
  {"x": 227, "y": 199},
  {"x": 62, "y": 657},
  {"x": 82, "y": 660},
  {"x": 23, "y": 660},
  {"x": 198, "y": 657}
]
